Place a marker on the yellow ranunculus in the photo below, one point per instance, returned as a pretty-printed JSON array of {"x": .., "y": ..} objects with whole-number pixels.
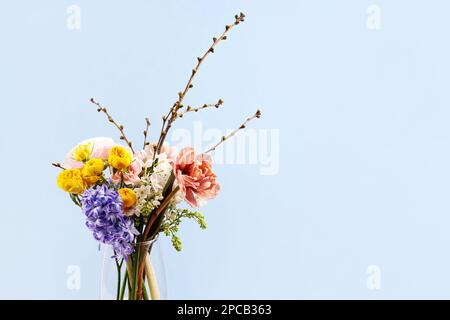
[
  {"x": 128, "y": 197},
  {"x": 92, "y": 171},
  {"x": 71, "y": 181},
  {"x": 82, "y": 152},
  {"x": 119, "y": 158}
]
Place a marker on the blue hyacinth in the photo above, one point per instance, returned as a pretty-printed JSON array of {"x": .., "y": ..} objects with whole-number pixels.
[{"x": 105, "y": 218}]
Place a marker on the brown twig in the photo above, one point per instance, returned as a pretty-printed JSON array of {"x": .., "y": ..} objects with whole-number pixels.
[
  {"x": 147, "y": 126},
  {"x": 172, "y": 115},
  {"x": 243, "y": 126},
  {"x": 110, "y": 119},
  {"x": 205, "y": 106},
  {"x": 58, "y": 165}
]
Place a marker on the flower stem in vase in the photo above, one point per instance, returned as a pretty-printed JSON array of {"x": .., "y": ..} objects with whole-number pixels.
[
  {"x": 129, "y": 273},
  {"x": 143, "y": 249},
  {"x": 151, "y": 278},
  {"x": 134, "y": 283},
  {"x": 124, "y": 284},
  {"x": 144, "y": 293},
  {"x": 119, "y": 269}
]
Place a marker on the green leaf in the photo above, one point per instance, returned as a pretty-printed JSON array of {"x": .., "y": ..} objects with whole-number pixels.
[{"x": 75, "y": 198}]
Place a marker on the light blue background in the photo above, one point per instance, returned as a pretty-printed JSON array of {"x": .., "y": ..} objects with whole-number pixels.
[{"x": 364, "y": 142}]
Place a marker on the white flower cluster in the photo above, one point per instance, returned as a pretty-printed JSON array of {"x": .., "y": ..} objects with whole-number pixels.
[
  {"x": 157, "y": 172},
  {"x": 147, "y": 199}
]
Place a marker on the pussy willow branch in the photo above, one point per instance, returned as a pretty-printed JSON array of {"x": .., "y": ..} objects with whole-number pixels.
[
  {"x": 243, "y": 126},
  {"x": 110, "y": 119},
  {"x": 147, "y": 126},
  {"x": 58, "y": 165},
  {"x": 205, "y": 106},
  {"x": 173, "y": 112}
]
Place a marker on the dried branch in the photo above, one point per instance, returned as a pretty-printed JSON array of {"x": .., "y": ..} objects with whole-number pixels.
[
  {"x": 243, "y": 126},
  {"x": 58, "y": 165},
  {"x": 205, "y": 106},
  {"x": 172, "y": 115},
  {"x": 147, "y": 126},
  {"x": 110, "y": 119}
]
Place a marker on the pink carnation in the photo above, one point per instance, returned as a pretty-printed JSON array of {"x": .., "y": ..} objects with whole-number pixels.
[{"x": 195, "y": 177}]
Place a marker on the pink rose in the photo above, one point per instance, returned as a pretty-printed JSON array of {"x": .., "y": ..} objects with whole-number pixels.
[
  {"x": 100, "y": 149},
  {"x": 130, "y": 177},
  {"x": 102, "y": 146},
  {"x": 195, "y": 177}
]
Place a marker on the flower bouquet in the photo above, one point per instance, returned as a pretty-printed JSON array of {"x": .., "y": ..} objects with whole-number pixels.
[{"x": 129, "y": 197}]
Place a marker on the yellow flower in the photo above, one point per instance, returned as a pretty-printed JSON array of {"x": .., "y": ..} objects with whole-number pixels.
[
  {"x": 128, "y": 197},
  {"x": 92, "y": 171},
  {"x": 119, "y": 158},
  {"x": 71, "y": 181},
  {"x": 82, "y": 152}
]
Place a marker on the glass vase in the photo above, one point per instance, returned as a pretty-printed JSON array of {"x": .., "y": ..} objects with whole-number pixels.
[{"x": 140, "y": 277}]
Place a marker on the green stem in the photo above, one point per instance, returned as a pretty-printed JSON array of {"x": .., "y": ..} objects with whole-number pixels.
[
  {"x": 135, "y": 274},
  {"x": 124, "y": 284},
  {"x": 118, "y": 284},
  {"x": 144, "y": 291},
  {"x": 119, "y": 269}
]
